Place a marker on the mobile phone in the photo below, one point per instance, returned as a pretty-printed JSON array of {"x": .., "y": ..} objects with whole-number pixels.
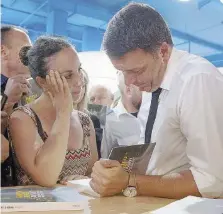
[
  {"x": 35, "y": 89},
  {"x": 34, "y": 93},
  {"x": 4, "y": 99}
]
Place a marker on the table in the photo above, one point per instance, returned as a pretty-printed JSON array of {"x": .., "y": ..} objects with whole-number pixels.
[{"x": 115, "y": 205}]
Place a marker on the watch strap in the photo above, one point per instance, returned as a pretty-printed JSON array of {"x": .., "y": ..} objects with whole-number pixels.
[{"x": 132, "y": 180}]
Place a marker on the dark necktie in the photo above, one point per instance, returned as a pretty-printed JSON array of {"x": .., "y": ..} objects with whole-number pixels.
[
  {"x": 152, "y": 115},
  {"x": 135, "y": 114}
]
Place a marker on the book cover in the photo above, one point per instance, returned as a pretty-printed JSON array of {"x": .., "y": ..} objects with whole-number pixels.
[
  {"x": 133, "y": 158},
  {"x": 41, "y": 199}
]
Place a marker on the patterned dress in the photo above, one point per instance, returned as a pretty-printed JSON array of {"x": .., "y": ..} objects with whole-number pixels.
[{"x": 76, "y": 161}]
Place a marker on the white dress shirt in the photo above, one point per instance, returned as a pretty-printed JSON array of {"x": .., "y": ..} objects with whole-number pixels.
[
  {"x": 121, "y": 129},
  {"x": 188, "y": 129},
  {"x": 144, "y": 113}
]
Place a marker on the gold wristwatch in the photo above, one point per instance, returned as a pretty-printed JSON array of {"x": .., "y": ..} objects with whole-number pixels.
[{"x": 131, "y": 189}]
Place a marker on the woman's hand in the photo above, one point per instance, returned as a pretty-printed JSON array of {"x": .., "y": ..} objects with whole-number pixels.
[
  {"x": 59, "y": 92},
  {"x": 72, "y": 177}
]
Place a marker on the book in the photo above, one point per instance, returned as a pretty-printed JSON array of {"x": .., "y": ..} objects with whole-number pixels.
[
  {"x": 133, "y": 158},
  {"x": 83, "y": 186},
  {"x": 41, "y": 199},
  {"x": 193, "y": 205}
]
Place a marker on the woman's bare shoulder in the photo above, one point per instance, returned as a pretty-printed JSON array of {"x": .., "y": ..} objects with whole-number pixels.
[
  {"x": 80, "y": 115},
  {"x": 22, "y": 116}
]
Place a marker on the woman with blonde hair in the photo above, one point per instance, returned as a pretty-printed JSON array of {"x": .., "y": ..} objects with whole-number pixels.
[{"x": 80, "y": 104}]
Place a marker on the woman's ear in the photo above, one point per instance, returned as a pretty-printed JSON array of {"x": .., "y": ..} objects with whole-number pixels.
[{"x": 4, "y": 52}]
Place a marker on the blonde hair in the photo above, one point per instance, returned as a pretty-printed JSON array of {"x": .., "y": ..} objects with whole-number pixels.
[{"x": 82, "y": 104}]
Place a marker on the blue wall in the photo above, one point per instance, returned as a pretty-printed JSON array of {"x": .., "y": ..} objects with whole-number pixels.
[{"x": 196, "y": 26}]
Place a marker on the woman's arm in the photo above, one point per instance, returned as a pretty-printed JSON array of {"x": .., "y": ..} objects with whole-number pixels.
[
  {"x": 93, "y": 148},
  {"x": 4, "y": 148},
  {"x": 43, "y": 162}
]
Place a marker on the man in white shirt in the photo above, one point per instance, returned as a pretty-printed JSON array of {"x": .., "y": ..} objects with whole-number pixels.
[
  {"x": 122, "y": 125},
  {"x": 188, "y": 157}
]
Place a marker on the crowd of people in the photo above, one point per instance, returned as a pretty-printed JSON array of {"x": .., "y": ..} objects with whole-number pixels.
[{"x": 169, "y": 98}]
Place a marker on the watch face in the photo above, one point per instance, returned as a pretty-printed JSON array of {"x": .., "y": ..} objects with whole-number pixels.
[{"x": 130, "y": 192}]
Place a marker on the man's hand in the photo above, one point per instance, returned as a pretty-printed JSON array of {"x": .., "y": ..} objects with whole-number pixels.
[
  {"x": 108, "y": 177},
  {"x": 4, "y": 121},
  {"x": 15, "y": 87}
]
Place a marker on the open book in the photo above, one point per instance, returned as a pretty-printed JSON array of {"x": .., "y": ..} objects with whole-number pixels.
[
  {"x": 41, "y": 199},
  {"x": 83, "y": 186}
]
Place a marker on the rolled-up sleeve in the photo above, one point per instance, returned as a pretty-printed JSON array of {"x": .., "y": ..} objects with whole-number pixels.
[{"x": 201, "y": 120}]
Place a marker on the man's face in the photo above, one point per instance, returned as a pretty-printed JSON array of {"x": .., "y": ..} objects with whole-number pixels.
[
  {"x": 16, "y": 39},
  {"x": 142, "y": 69},
  {"x": 100, "y": 96}
]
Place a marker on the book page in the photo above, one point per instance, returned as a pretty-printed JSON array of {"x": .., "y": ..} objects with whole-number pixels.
[
  {"x": 83, "y": 186},
  {"x": 193, "y": 205}
]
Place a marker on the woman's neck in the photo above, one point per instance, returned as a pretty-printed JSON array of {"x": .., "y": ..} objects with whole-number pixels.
[
  {"x": 43, "y": 106},
  {"x": 75, "y": 106}
]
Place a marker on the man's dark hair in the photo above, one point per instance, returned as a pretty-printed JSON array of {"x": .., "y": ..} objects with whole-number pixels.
[
  {"x": 35, "y": 57},
  {"x": 135, "y": 26},
  {"x": 5, "y": 29}
]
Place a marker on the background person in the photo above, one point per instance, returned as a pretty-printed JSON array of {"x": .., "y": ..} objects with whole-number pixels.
[{"x": 101, "y": 95}]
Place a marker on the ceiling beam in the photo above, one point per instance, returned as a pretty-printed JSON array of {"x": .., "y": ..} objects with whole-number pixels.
[
  {"x": 33, "y": 13},
  {"x": 218, "y": 64},
  {"x": 215, "y": 57},
  {"x": 12, "y": 2},
  {"x": 18, "y": 13},
  {"x": 197, "y": 40},
  {"x": 203, "y": 3},
  {"x": 103, "y": 14},
  {"x": 94, "y": 12}
]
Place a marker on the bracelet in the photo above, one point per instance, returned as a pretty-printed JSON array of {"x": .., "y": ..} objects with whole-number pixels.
[
  {"x": 132, "y": 180},
  {"x": 127, "y": 183}
]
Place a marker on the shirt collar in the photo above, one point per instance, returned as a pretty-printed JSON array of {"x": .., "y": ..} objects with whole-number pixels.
[
  {"x": 172, "y": 67},
  {"x": 3, "y": 79},
  {"x": 120, "y": 109}
]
